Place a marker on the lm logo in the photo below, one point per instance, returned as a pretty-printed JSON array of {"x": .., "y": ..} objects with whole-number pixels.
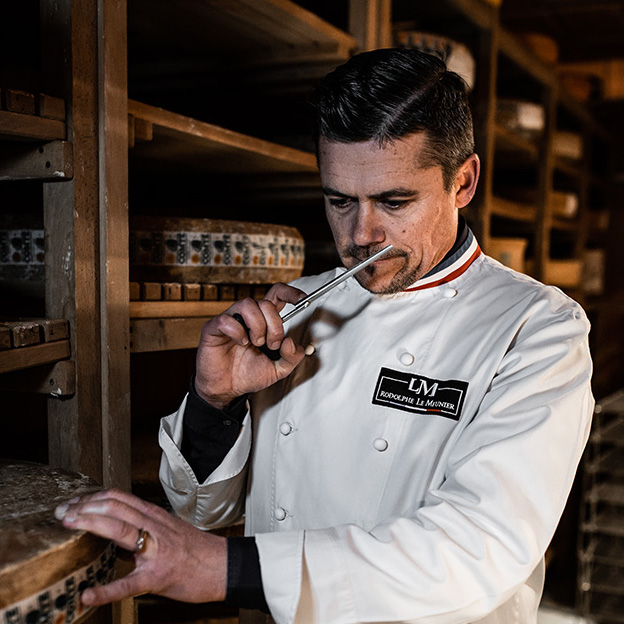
[
  {"x": 420, "y": 385},
  {"x": 418, "y": 394}
]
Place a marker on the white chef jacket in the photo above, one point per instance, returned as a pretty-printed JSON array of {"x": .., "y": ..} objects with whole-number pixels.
[{"x": 415, "y": 467}]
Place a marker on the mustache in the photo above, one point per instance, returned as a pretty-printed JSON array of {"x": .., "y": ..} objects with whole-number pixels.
[{"x": 361, "y": 253}]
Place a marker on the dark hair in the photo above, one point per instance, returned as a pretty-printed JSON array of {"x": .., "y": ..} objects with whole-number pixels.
[{"x": 390, "y": 93}]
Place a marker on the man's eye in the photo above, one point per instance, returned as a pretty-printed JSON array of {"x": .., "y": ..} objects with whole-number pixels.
[
  {"x": 339, "y": 202},
  {"x": 394, "y": 204}
]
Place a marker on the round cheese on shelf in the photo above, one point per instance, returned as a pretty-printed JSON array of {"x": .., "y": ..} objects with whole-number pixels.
[
  {"x": 43, "y": 565},
  {"x": 457, "y": 56},
  {"x": 167, "y": 249}
]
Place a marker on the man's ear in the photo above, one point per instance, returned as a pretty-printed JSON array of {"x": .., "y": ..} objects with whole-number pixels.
[{"x": 466, "y": 181}]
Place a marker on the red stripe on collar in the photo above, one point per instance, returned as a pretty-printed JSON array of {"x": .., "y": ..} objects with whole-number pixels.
[{"x": 449, "y": 276}]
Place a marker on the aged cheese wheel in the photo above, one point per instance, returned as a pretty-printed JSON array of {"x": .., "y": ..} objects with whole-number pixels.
[
  {"x": 186, "y": 250},
  {"x": 457, "y": 56},
  {"x": 43, "y": 565},
  {"x": 22, "y": 256},
  {"x": 527, "y": 118}
]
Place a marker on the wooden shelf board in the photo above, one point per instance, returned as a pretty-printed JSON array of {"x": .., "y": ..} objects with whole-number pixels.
[
  {"x": 183, "y": 141},
  {"x": 516, "y": 51},
  {"x": 509, "y": 141},
  {"x": 35, "y": 355},
  {"x": 172, "y": 309},
  {"x": 21, "y": 127},
  {"x": 513, "y": 210},
  {"x": 562, "y": 223},
  {"x": 570, "y": 168},
  {"x": 165, "y": 334},
  {"x": 278, "y": 31}
]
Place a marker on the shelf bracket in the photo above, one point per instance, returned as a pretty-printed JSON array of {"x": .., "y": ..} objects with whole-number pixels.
[
  {"x": 57, "y": 380},
  {"x": 46, "y": 161}
]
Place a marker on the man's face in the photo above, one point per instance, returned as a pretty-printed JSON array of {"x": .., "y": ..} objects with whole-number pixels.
[{"x": 375, "y": 196}]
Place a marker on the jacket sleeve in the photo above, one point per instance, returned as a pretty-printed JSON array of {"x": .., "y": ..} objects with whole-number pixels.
[
  {"x": 479, "y": 536},
  {"x": 220, "y": 499}
]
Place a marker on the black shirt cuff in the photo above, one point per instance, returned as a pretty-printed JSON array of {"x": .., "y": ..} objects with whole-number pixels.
[
  {"x": 209, "y": 433},
  {"x": 244, "y": 579}
]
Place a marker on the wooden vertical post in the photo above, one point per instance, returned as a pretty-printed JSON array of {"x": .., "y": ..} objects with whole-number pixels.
[
  {"x": 86, "y": 236},
  {"x": 484, "y": 111},
  {"x": 370, "y": 22},
  {"x": 546, "y": 166},
  {"x": 114, "y": 289}
]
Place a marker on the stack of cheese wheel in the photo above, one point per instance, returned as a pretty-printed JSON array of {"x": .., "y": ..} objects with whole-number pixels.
[
  {"x": 44, "y": 566},
  {"x": 216, "y": 251},
  {"x": 523, "y": 117},
  {"x": 457, "y": 56}
]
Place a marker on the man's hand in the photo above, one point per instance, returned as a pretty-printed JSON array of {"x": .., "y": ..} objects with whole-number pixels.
[
  {"x": 178, "y": 561},
  {"x": 229, "y": 364}
]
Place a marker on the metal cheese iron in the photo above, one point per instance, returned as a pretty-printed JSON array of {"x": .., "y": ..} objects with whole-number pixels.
[{"x": 274, "y": 354}]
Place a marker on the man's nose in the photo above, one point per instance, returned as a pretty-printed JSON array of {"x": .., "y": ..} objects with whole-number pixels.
[{"x": 367, "y": 227}]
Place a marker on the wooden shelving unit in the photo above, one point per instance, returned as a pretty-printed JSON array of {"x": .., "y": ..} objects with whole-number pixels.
[
  {"x": 252, "y": 33},
  {"x": 128, "y": 87},
  {"x": 181, "y": 142}
]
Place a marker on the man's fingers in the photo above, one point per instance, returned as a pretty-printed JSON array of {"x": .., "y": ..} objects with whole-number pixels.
[
  {"x": 291, "y": 354},
  {"x": 280, "y": 294},
  {"x": 124, "y": 534},
  {"x": 134, "y": 584}
]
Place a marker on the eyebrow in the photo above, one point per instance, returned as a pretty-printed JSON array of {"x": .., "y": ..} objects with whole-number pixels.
[{"x": 395, "y": 192}]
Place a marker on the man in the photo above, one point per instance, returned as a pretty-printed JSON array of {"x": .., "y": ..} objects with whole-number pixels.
[{"x": 414, "y": 467}]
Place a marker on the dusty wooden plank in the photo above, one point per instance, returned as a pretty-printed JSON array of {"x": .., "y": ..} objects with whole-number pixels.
[
  {"x": 258, "y": 291},
  {"x": 151, "y": 291},
  {"x": 5, "y": 338},
  {"x": 54, "y": 329},
  {"x": 19, "y": 101},
  {"x": 52, "y": 160},
  {"x": 243, "y": 291},
  {"x": 29, "y": 127},
  {"x": 135, "y": 291},
  {"x": 51, "y": 107},
  {"x": 27, "y": 357},
  {"x": 23, "y": 332},
  {"x": 58, "y": 379},
  {"x": 191, "y": 292},
  {"x": 210, "y": 292},
  {"x": 172, "y": 291},
  {"x": 163, "y": 334},
  {"x": 227, "y": 292},
  {"x": 172, "y": 309}
]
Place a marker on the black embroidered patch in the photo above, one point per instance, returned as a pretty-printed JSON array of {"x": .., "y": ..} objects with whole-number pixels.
[{"x": 415, "y": 393}]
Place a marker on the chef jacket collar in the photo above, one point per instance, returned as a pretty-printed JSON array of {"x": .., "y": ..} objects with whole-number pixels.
[{"x": 464, "y": 252}]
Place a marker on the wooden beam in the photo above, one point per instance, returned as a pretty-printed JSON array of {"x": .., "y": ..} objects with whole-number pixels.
[
  {"x": 71, "y": 220},
  {"x": 22, "y": 127},
  {"x": 164, "y": 334},
  {"x": 46, "y": 161},
  {"x": 28, "y": 357},
  {"x": 370, "y": 22},
  {"x": 172, "y": 309},
  {"x": 112, "y": 260},
  {"x": 57, "y": 380},
  {"x": 182, "y": 141}
]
